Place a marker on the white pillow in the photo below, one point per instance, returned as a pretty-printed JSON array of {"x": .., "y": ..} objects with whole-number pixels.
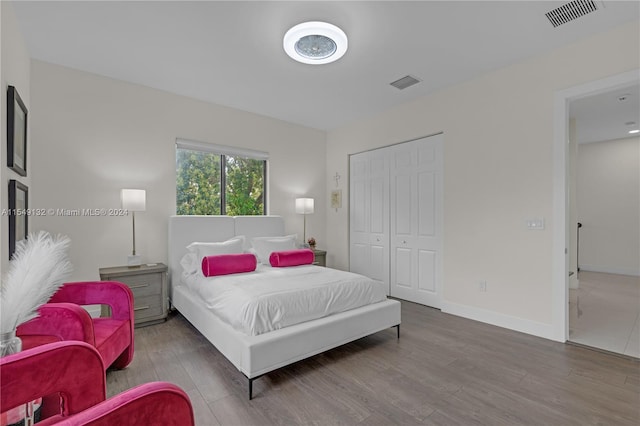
[
  {"x": 264, "y": 246},
  {"x": 202, "y": 250},
  {"x": 189, "y": 263}
]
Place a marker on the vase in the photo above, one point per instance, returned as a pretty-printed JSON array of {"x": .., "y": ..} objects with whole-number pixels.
[
  {"x": 9, "y": 343},
  {"x": 28, "y": 413},
  {"x": 312, "y": 246}
]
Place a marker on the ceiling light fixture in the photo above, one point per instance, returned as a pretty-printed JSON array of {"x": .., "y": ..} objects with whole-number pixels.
[
  {"x": 315, "y": 43},
  {"x": 631, "y": 132}
]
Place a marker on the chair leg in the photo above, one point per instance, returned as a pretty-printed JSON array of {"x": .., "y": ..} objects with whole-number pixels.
[{"x": 123, "y": 360}]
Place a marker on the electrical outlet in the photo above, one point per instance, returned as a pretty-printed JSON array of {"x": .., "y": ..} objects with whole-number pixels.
[{"x": 482, "y": 286}]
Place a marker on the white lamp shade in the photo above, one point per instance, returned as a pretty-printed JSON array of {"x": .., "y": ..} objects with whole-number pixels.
[
  {"x": 133, "y": 199},
  {"x": 304, "y": 205}
]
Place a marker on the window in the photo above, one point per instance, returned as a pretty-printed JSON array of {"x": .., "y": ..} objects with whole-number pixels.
[{"x": 218, "y": 180}]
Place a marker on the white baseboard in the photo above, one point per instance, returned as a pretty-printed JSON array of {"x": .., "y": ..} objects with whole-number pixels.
[
  {"x": 611, "y": 270},
  {"x": 501, "y": 320},
  {"x": 574, "y": 282}
]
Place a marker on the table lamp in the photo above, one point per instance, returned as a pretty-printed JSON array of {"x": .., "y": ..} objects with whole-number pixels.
[
  {"x": 304, "y": 206},
  {"x": 133, "y": 200}
]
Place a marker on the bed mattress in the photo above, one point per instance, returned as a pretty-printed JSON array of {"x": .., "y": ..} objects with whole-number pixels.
[{"x": 273, "y": 298}]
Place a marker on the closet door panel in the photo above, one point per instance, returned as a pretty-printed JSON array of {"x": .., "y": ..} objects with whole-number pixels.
[
  {"x": 359, "y": 251},
  {"x": 403, "y": 267},
  {"x": 401, "y": 156},
  {"x": 427, "y": 155},
  {"x": 369, "y": 216},
  {"x": 377, "y": 263},
  {"x": 378, "y": 208},
  {"x": 402, "y": 204},
  {"x": 426, "y": 214},
  {"x": 416, "y": 220},
  {"x": 427, "y": 270},
  {"x": 359, "y": 258},
  {"x": 359, "y": 215}
]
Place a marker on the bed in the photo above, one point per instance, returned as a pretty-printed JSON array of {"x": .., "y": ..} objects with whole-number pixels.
[{"x": 256, "y": 355}]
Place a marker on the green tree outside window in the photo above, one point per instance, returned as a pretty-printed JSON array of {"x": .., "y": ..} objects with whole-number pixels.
[{"x": 199, "y": 182}]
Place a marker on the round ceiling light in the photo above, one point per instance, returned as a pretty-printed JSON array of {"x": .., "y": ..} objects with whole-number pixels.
[{"x": 315, "y": 43}]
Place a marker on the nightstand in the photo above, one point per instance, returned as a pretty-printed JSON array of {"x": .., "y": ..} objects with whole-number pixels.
[
  {"x": 149, "y": 286},
  {"x": 321, "y": 257}
]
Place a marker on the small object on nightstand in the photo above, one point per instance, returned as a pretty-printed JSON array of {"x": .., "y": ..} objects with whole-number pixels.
[
  {"x": 320, "y": 257},
  {"x": 149, "y": 286}
]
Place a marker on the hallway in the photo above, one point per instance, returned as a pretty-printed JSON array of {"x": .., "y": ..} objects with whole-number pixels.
[{"x": 605, "y": 312}]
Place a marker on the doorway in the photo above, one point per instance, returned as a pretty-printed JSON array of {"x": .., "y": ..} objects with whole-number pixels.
[
  {"x": 604, "y": 295},
  {"x": 564, "y": 243}
]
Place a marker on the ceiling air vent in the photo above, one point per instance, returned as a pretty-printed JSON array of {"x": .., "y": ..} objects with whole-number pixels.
[
  {"x": 405, "y": 82},
  {"x": 572, "y": 10}
]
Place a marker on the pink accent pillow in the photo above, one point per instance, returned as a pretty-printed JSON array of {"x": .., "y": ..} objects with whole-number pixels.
[
  {"x": 225, "y": 264},
  {"x": 291, "y": 258}
]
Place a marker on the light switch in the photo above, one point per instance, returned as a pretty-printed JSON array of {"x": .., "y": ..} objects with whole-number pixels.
[{"x": 536, "y": 224}]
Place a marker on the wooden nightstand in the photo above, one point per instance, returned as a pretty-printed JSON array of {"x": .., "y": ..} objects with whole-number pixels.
[
  {"x": 321, "y": 257},
  {"x": 149, "y": 286}
]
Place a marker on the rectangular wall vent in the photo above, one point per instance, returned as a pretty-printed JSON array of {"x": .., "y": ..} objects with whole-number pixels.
[
  {"x": 404, "y": 82},
  {"x": 570, "y": 11}
]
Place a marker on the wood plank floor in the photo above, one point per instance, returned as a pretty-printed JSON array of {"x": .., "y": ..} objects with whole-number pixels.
[{"x": 444, "y": 370}]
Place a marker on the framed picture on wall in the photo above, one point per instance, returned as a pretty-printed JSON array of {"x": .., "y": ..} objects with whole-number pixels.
[
  {"x": 18, "y": 219},
  {"x": 16, "y": 132}
]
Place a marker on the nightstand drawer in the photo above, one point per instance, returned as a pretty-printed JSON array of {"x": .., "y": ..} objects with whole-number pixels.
[
  {"x": 143, "y": 285},
  {"x": 148, "y": 283},
  {"x": 147, "y": 307}
]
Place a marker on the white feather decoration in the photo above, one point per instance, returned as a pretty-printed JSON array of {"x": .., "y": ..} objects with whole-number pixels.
[{"x": 38, "y": 268}]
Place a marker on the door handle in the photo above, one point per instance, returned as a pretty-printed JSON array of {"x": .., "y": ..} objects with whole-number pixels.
[{"x": 404, "y": 242}]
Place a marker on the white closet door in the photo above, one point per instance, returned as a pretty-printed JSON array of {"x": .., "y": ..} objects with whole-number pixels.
[
  {"x": 416, "y": 220},
  {"x": 369, "y": 215}
]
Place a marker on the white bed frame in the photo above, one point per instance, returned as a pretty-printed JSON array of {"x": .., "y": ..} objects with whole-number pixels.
[{"x": 258, "y": 355}]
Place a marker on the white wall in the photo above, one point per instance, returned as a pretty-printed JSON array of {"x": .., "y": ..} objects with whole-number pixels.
[
  {"x": 14, "y": 71},
  {"x": 92, "y": 136},
  {"x": 608, "y": 205},
  {"x": 498, "y": 133}
]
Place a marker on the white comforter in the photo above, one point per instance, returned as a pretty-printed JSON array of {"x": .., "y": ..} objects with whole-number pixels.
[{"x": 272, "y": 298}]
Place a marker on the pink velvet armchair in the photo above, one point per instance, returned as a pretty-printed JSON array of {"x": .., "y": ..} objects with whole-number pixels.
[
  {"x": 63, "y": 319},
  {"x": 75, "y": 371}
]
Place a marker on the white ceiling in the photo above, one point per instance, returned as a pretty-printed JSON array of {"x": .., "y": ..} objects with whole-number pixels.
[
  {"x": 230, "y": 53},
  {"x": 607, "y": 116}
]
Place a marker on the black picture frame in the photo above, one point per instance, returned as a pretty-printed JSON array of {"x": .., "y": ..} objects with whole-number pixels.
[
  {"x": 16, "y": 132},
  {"x": 18, "y": 218}
]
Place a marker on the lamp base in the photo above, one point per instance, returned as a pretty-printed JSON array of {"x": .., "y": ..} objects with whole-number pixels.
[{"x": 134, "y": 260}]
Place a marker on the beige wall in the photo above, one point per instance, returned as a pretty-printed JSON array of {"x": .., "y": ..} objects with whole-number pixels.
[
  {"x": 92, "y": 136},
  {"x": 498, "y": 133},
  {"x": 608, "y": 205},
  {"x": 15, "y": 71}
]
